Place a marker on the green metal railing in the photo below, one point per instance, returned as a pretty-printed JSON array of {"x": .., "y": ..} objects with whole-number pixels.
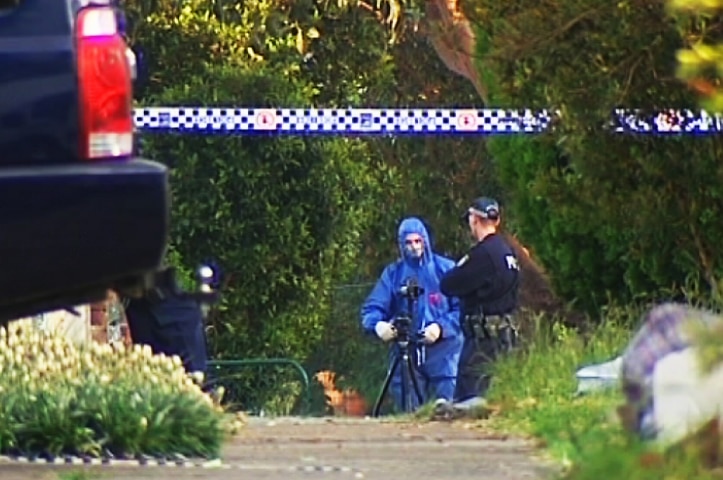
[{"x": 226, "y": 369}]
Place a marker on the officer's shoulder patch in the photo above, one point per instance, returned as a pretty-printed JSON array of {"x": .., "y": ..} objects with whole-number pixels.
[
  {"x": 462, "y": 260},
  {"x": 512, "y": 263}
]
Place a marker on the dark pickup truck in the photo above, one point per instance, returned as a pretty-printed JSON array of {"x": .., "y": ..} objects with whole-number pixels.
[{"x": 79, "y": 213}]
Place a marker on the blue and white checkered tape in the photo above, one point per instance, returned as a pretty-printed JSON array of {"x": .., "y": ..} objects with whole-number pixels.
[{"x": 399, "y": 121}]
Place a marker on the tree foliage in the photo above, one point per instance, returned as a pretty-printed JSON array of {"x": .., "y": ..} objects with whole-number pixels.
[
  {"x": 283, "y": 216},
  {"x": 701, "y": 63},
  {"x": 627, "y": 215}
]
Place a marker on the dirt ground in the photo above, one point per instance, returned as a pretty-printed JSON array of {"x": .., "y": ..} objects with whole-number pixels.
[{"x": 288, "y": 448}]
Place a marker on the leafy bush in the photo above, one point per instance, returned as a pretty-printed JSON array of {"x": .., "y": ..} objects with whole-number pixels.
[
  {"x": 59, "y": 399},
  {"x": 282, "y": 216},
  {"x": 547, "y": 211},
  {"x": 607, "y": 213}
]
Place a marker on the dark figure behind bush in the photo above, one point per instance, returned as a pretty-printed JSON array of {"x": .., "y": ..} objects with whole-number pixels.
[{"x": 172, "y": 326}]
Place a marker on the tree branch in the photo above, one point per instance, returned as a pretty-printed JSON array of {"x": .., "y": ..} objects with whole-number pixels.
[
  {"x": 629, "y": 80},
  {"x": 371, "y": 9},
  {"x": 538, "y": 43}
]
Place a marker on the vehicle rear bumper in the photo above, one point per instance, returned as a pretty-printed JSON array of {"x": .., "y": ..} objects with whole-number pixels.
[{"x": 72, "y": 228}]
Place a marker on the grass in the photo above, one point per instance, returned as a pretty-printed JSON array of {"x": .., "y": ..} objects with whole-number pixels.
[
  {"x": 77, "y": 475},
  {"x": 534, "y": 392}
]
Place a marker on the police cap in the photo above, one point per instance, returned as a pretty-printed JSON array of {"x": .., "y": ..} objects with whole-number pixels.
[{"x": 484, "y": 207}]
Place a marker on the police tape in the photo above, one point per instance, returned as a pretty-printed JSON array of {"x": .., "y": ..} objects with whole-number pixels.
[{"x": 403, "y": 121}]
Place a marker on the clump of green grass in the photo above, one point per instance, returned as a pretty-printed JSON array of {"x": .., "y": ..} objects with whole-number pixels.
[
  {"x": 77, "y": 475},
  {"x": 534, "y": 391},
  {"x": 534, "y": 388}
]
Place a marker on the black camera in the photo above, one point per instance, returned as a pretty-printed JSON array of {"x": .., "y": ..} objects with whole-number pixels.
[
  {"x": 411, "y": 289},
  {"x": 402, "y": 324}
]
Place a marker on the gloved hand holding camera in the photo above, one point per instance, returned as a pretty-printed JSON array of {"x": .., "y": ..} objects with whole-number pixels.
[{"x": 385, "y": 331}]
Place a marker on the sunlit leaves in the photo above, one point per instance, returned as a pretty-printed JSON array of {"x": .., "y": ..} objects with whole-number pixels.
[{"x": 701, "y": 63}]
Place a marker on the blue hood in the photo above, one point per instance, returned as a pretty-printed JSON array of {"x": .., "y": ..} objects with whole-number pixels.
[{"x": 414, "y": 225}]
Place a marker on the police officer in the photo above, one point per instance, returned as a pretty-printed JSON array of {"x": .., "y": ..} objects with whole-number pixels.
[
  {"x": 172, "y": 326},
  {"x": 170, "y": 323},
  {"x": 486, "y": 281}
]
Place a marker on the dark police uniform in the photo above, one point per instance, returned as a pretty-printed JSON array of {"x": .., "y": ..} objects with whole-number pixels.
[
  {"x": 486, "y": 281},
  {"x": 172, "y": 325}
]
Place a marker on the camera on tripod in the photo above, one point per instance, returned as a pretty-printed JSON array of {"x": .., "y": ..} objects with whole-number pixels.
[
  {"x": 408, "y": 351},
  {"x": 410, "y": 289},
  {"x": 402, "y": 324}
]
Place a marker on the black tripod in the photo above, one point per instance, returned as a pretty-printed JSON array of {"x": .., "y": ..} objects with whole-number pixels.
[{"x": 404, "y": 354}]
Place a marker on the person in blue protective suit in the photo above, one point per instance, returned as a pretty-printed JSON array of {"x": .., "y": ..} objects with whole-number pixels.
[{"x": 436, "y": 315}]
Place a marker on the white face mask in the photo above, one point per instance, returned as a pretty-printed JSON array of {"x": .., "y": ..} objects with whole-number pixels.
[{"x": 414, "y": 246}]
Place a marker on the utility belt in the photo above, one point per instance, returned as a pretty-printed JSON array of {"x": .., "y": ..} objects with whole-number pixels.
[{"x": 501, "y": 328}]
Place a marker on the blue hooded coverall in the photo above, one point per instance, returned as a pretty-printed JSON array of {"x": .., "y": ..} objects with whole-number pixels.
[{"x": 438, "y": 370}]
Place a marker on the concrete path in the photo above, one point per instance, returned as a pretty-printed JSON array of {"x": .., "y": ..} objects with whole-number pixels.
[{"x": 335, "y": 449}]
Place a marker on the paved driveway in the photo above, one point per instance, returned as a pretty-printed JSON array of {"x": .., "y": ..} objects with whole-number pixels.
[{"x": 288, "y": 448}]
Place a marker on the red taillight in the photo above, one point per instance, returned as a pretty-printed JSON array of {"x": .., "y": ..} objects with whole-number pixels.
[{"x": 106, "y": 92}]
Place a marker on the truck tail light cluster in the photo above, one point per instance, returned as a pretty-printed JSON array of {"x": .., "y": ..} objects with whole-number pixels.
[{"x": 105, "y": 86}]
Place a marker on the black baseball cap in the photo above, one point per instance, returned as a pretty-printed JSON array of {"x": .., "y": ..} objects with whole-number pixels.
[{"x": 484, "y": 207}]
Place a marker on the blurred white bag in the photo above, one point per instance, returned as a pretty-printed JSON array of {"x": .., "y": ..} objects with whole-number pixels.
[
  {"x": 601, "y": 376},
  {"x": 659, "y": 369},
  {"x": 684, "y": 399}
]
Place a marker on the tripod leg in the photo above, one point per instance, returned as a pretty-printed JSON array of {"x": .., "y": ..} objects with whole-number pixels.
[
  {"x": 385, "y": 386},
  {"x": 407, "y": 405},
  {"x": 413, "y": 376}
]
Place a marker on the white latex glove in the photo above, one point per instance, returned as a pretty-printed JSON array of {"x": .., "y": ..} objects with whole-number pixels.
[
  {"x": 385, "y": 331},
  {"x": 432, "y": 333}
]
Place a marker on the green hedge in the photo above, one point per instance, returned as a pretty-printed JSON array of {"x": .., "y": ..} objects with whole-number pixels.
[{"x": 282, "y": 216}]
